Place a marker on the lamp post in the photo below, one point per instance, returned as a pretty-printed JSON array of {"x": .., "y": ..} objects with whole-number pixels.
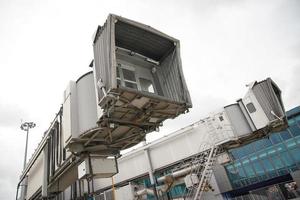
[{"x": 25, "y": 127}]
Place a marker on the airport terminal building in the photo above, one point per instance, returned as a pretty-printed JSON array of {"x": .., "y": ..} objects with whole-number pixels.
[{"x": 265, "y": 169}]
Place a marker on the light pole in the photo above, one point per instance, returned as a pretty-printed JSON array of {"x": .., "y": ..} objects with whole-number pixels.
[{"x": 25, "y": 127}]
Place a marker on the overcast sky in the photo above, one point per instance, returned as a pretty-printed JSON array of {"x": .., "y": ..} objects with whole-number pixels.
[{"x": 225, "y": 45}]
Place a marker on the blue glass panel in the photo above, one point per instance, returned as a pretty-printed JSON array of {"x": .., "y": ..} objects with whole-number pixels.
[
  {"x": 249, "y": 170},
  {"x": 297, "y": 118},
  {"x": 253, "y": 157},
  {"x": 286, "y": 158},
  {"x": 267, "y": 142},
  {"x": 271, "y": 150},
  {"x": 267, "y": 164},
  {"x": 291, "y": 143},
  {"x": 236, "y": 184},
  {"x": 280, "y": 148},
  {"x": 294, "y": 130},
  {"x": 275, "y": 138},
  {"x": 260, "y": 144},
  {"x": 277, "y": 162},
  {"x": 297, "y": 139},
  {"x": 296, "y": 154},
  {"x": 231, "y": 172},
  {"x": 262, "y": 154},
  {"x": 285, "y": 135},
  {"x": 291, "y": 121},
  {"x": 240, "y": 170},
  {"x": 258, "y": 168},
  {"x": 236, "y": 153}
]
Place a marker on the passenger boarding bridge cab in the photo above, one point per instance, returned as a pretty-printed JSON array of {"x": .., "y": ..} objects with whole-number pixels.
[
  {"x": 135, "y": 58},
  {"x": 138, "y": 84}
]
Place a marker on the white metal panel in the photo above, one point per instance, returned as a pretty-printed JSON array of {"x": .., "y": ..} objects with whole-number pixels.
[
  {"x": 86, "y": 103},
  {"x": 258, "y": 117},
  {"x": 131, "y": 166},
  {"x": 125, "y": 193},
  {"x": 98, "y": 167},
  {"x": 70, "y": 116},
  {"x": 35, "y": 177}
]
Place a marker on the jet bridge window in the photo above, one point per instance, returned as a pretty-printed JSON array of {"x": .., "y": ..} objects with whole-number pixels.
[
  {"x": 146, "y": 85},
  {"x": 126, "y": 77},
  {"x": 251, "y": 107}
]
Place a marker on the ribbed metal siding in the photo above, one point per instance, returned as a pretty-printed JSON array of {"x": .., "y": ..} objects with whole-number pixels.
[
  {"x": 269, "y": 97},
  {"x": 103, "y": 56},
  {"x": 172, "y": 79},
  {"x": 141, "y": 41},
  {"x": 145, "y": 40}
]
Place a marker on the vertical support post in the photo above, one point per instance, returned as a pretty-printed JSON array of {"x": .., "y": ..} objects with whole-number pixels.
[
  {"x": 46, "y": 172},
  {"x": 150, "y": 171},
  {"x": 113, "y": 188},
  {"x": 26, "y": 145}
]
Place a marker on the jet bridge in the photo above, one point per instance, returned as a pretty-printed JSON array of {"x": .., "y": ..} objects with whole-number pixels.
[{"x": 136, "y": 83}]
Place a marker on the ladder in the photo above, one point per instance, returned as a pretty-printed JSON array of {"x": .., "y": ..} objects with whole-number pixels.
[{"x": 204, "y": 172}]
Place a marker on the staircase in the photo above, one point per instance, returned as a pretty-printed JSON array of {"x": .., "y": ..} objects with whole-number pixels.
[{"x": 204, "y": 172}]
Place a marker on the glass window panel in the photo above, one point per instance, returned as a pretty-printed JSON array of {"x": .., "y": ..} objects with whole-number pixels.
[
  {"x": 262, "y": 154},
  {"x": 271, "y": 150},
  {"x": 240, "y": 170},
  {"x": 146, "y": 85},
  {"x": 267, "y": 164},
  {"x": 298, "y": 140},
  {"x": 290, "y": 143},
  {"x": 245, "y": 161},
  {"x": 285, "y": 135},
  {"x": 131, "y": 85},
  {"x": 286, "y": 158},
  {"x": 275, "y": 138},
  {"x": 280, "y": 148},
  {"x": 258, "y": 168},
  {"x": 231, "y": 172},
  {"x": 291, "y": 122},
  {"x": 267, "y": 142},
  {"x": 296, "y": 154},
  {"x": 251, "y": 107},
  {"x": 277, "y": 162},
  {"x": 128, "y": 75},
  {"x": 297, "y": 118},
  {"x": 294, "y": 130},
  {"x": 242, "y": 151},
  {"x": 249, "y": 170},
  {"x": 253, "y": 157},
  {"x": 235, "y": 153},
  {"x": 236, "y": 184},
  {"x": 258, "y": 144}
]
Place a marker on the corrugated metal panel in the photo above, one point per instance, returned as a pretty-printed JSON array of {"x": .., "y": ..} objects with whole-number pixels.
[
  {"x": 141, "y": 41},
  {"x": 103, "y": 56},
  {"x": 172, "y": 79},
  {"x": 269, "y": 96}
]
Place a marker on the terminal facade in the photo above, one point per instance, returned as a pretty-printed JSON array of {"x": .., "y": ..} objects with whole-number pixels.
[{"x": 265, "y": 169}]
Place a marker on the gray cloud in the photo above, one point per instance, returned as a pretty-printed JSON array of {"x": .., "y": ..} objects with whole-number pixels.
[
  {"x": 293, "y": 93},
  {"x": 11, "y": 115}
]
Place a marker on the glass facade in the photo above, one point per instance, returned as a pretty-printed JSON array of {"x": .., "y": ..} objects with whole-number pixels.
[{"x": 270, "y": 157}]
